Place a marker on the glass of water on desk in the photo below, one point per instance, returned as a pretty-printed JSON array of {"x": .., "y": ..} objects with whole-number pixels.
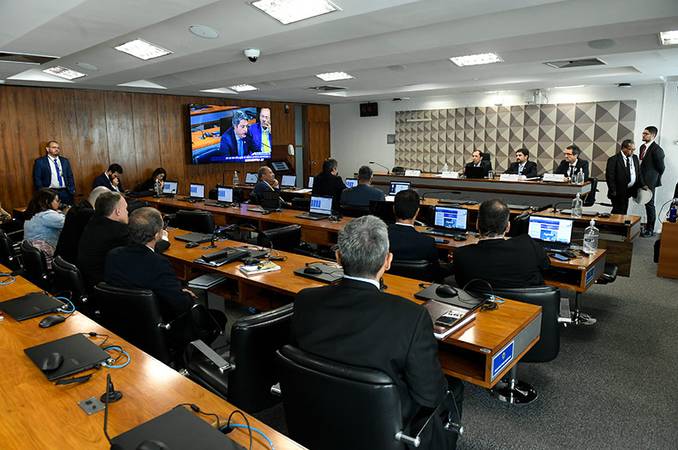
[{"x": 490, "y": 175}]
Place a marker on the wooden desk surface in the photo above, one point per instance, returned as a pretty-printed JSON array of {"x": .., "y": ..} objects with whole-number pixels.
[{"x": 36, "y": 414}]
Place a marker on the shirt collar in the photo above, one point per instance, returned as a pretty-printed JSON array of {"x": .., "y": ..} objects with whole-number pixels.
[
  {"x": 647, "y": 145},
  {"x": 53, "y": 158},
  {"x": 405, "y": 224},
  {"x": 374, "y": 283}
]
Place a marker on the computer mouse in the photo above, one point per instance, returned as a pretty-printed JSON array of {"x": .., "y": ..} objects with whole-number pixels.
[
  {"x": 446, "y": 291},
  {"x": 152, "y": 445},
  {"x": 250, "y": 261},
  {"x": 52, "y": 362},
  {"x": 192, "y": 245},
  {"x": 312, "y": 270},
  {"x": 459, "y": 238},
  {"x": 51, "y": 320}
]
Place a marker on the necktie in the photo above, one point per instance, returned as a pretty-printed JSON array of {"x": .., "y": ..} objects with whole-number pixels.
[
  {"x": 572, "y": 168},
  {"x": 520, "y": 168},
  {"x": 643, "y": 148},
  {"x": 240, "y": 152},
  {"x": 265, "y": 141},
  {"x": 628, "y": 168},
  {"x": 58, "y": 172}
]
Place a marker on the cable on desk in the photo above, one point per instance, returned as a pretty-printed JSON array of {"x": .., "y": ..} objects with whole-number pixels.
[
  {"x": 121, "y": 352},
  {"x": 256, "y": 430},
  {"x": 196, "y": 409},
  {"x": 249, "y": 427},
  {"x": 95, "y": 334},
  {"x": 10, "y": 278},
  {"x": 70, "y": 303}
]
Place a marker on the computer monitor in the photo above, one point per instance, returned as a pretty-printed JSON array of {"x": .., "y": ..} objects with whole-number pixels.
[
  {"x": 288, "y": 181},
  {"x": 351, "y": 182},
  {"x": 397, "y": 186},
  {"x": 170, "y": 187},
  {"x": 251, "y": 178},
  {"x": 280, "y": 166},
  {"x": 197, "y": 190},
  {"x": 474, "y": 172},
  {"x": 550, "y": 229},
  {"x": 321, "y": 205},
  {"x": 450, "y": 218},
  {"x": 310, "y": 182},
  {"x": 224, "y": 194}
]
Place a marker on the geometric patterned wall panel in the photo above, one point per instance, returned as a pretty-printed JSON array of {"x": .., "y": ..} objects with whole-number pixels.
[{"x": 427, "y": 139}]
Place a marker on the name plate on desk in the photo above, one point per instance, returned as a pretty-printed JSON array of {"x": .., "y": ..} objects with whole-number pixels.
[
  {"x": 509, "y": 177},
  {"x": 449, "y": 175},
  {"x": 412, "y": 173},
  {"x": 554, "y": 177},
  {"x": 501, "y": 359}
]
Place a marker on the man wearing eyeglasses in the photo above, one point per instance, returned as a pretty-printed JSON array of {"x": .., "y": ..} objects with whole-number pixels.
[
  {"x": 572, "y": 163},
  {"x": 54, "y": 171}
]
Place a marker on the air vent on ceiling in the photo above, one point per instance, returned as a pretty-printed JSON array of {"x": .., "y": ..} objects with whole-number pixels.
[
  {"x": 566, "y": 64},
  {"x": 24, "y": 58},
  {"x": 327, "y": 88}
]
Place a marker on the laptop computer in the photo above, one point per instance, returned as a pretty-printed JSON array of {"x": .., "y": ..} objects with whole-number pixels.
[
  {"x": 474, "y": 172},
  {"x": 397, "y": 186},
  {"x": 169, "y": 188},
  {"x": 555, "y": 234},
  {"x": 198, "y": 238},
  {"x": 251, "y": 178},
  {"x": 30, "y": 305},
  {"x": 321, "y": 208},
  {"x": 77, "y": 351},
  {"x": 288, "y": 181},
  {"x": 310, "y": 182},
  {"x": 196, "y": 192},
  {"x": 224, "y": 197},
  {"x": 351, "y": 182},
  {"x": 449, "y": 221}
]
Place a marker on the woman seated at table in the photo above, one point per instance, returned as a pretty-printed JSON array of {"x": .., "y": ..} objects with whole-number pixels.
[
  {"x": 4, "y": 215},
  {"x": 159, "y": 174},
  {"x": 44, "y": 222}
]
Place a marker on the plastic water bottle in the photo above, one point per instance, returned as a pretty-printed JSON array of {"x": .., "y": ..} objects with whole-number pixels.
[
  {"x": 236, "y": 178},
  {"x": 445, "y": 168},
  {"x": 673, "y": 213},
  {"x": 591, "y": 235},
  {"x": 577, "y": 206},
  {"x": 156, "y": 187}
]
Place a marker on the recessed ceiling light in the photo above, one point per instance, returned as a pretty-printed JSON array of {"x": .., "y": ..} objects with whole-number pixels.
[
  {"x": 474, "y": 60},
  {"x": 64, "y": 72},
  {"x": 142, "y": 49},
  {"x": 243, "y": 87},
  {"x": 87, "y": 66},
  {"x": 25, "y": 58},
  {"x": 334, "y": 76},
  {"x": 204, "y": 31},
  {"x": 289, "y": 11},
  {"x": 569, "y": 87},
  {"x": 145, "y": 84},
  {"x": 668, "y": 37},
  {"x": 219, "y": 91}
]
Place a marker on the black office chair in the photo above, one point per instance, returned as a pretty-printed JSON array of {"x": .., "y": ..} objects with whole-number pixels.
[
  {"x": 545, "y": 350},
  {"x": 354, "y": 211},
  {"x": 248, "y": 370},
  {"x": 357, "y": 407},
  {"x": 286, "y": 238},
  {"x": 301, "y": 203},
  {"x": 197, "y": 221},
  {"x": 67, "y": 278},
  {"x": 35, "y": 266},
  {"x": 10, "y": 257},
  {"x": 419, "y": 269},
  {"x": 590, "y": 198},
  {"x": 383, "y": 210},
  {"x": 520, "y": 224},
  {"x": 398, "y": 171}
]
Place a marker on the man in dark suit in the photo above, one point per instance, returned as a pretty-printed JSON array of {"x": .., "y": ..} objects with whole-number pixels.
[
  {"x": 504, "y": 263},
  {"x": 361, "y": 195},
  {"x": 328, "y": 183},
  {"x": 260, "y": 132},
  {"x": 572, "y": 163},
  {"x": 266, "y": 183},
  {"x": 110, "y": 178},
  {"x": 75, "y": 222},
  {"x": 623, "y": 178},
  {"x": 523, "y": 166},
  {"x": 355, "y": 323},
  {"x": 478, "y": 161},
  {"x": 235, "y": 141},
  {"x": 54, "y": 171},
  {"x": 651, "y": 169}
]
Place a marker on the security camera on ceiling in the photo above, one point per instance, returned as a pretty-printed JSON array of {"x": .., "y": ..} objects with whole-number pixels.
[{"x": 252, "y": 54}]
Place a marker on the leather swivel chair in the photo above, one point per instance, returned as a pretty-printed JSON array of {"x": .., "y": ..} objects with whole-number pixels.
[
  {"x": 419, "y": 269},
  {"x": 383, "y": 210},
  {"x": 546, "y": 349},
  {"x": 9, "y": 256},
  {"x": 285, "y": 238},
  {"x": 247, "y": 372},
  {"x": 67, "y": 277},
  {"x": 196, "y": 221},
  {"x": 301, "y": 203},
  {"x": 398, "y": 171},
  {"x": 35, "y": 266},
  {"x": 354, "y": 211},
  {"x": 520, "y": 224}
]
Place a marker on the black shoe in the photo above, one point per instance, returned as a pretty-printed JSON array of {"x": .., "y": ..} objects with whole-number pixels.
[{"x": 646, "y": 233}]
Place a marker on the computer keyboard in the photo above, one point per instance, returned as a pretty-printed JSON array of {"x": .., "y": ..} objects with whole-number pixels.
[
  {"x": 450, "y": 234},
  {"x": 223, "y": 256}
]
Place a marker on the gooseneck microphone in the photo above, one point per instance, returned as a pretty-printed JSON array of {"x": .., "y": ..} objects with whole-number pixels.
[{"x": 388, "y": 171}]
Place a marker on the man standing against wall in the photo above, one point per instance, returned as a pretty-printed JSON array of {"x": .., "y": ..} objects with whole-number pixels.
[
  {"x": 651, "y": 168},
  {"x": 54, "y": 171}
]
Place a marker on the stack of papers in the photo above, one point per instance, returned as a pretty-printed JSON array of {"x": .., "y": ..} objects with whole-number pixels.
[{"x": 256, "y": 269}]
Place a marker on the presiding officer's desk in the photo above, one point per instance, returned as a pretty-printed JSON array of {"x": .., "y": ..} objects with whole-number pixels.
[
  {"x": 466, "y": 354},
  {"x": 36, "y": 414}
]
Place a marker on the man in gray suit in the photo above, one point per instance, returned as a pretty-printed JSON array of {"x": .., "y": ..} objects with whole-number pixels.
[
  {"x": 651, "y": 168},
  {"x": 361, "y": 195}
]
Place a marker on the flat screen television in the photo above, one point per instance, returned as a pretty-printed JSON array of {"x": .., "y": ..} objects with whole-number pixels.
[{"x": 223, "y": 134}]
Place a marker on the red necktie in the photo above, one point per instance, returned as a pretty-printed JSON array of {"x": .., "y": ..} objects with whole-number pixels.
[{"x": 643, "y": 148}]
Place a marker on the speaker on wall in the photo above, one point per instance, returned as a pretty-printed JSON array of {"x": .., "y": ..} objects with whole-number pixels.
[{"x": 369, "y": 109}]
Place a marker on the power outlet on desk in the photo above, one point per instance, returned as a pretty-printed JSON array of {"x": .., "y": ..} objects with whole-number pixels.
[{"x": 91, "y": 405}]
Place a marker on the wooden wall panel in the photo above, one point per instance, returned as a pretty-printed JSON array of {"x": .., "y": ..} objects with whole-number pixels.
[
  {"x": 138, "y": 131},
  {"x": 317, "y": 140}
]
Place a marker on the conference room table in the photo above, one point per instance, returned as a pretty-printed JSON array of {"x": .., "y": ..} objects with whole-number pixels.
[
  {"x": 37, "y": 414},
  {"x": 466, "y": 354}
]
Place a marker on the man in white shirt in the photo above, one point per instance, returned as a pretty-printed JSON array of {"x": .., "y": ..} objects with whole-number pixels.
[
  {"x": 623, "y": 177},
  {"x": 54, "y": 171}
]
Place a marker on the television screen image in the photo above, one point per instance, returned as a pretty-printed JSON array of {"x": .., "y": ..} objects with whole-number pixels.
[{"x": 222, "y": 134}]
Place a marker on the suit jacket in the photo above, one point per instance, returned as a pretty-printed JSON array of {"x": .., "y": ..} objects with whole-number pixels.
[
  {"x": 564, "y": 167},
  {"x": 74, "y": 225},
  {"x": 504, "y": 263},
  {"x": 652, "y": 166},
  {"x": 617, "y": 178},
  {"x": 328, "y": 185},
  {"x": 355, "y": 323},
  {"x": 103, "y": 180},
  {"x": 229, "y": 144},
  {"x": 529, "y": 170},
  {"x": 42, "y": 173},
  {"x": 254, "y": 133},
  {"x": 486, "y": 165},
  {"x": 100, "y": 236},
  {"x": 138, "y": 267},
  {"x": 260, "y": 188},
  {"x": 408, "y": 244},
  {"x": 361, "y": 195}
]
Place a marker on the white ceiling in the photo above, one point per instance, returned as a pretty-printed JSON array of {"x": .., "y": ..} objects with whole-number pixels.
[{"x": 367, "y": 38}]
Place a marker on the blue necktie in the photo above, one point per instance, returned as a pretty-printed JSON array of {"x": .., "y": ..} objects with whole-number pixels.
[
  {"x": 58, "y": 172},
  {"x": 240, "y": 152}
]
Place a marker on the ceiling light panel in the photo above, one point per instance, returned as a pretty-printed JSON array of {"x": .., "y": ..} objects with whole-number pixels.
[
  {"x": 669, "y": 37},
  {"x": 334, "y": 76},
  {"x": 243, "y": 88},
  {"x": 474, "y": 60},
  {"x": 64, "y": 72},
  {"x": 219, "y": 91},
  {"x": 290, "y": 11},
  {"x": 142, "y": 49}
]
